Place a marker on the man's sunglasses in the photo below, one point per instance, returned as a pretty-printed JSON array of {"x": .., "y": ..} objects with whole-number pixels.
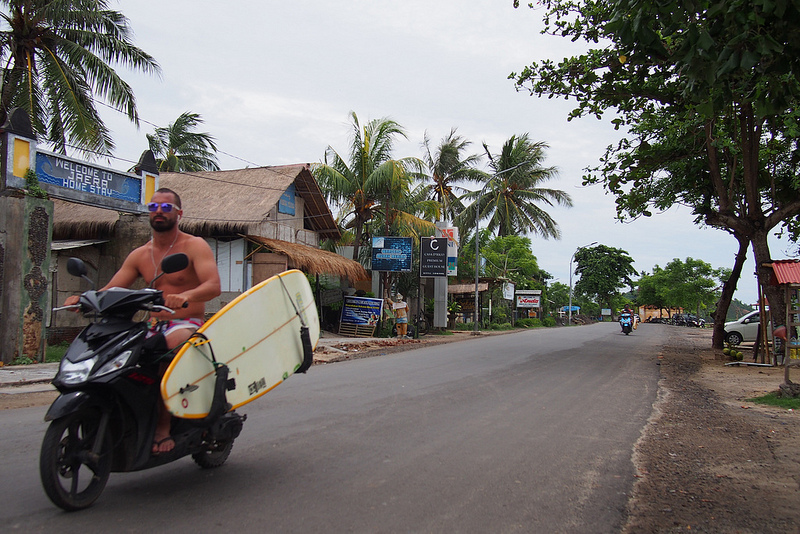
[{"x": 166, "y": 207}]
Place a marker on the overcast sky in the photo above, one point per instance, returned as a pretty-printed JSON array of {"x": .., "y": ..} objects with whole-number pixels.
[{"x": 275, "y": 83}]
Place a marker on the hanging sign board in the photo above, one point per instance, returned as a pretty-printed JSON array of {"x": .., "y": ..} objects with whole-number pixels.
[
  {"x": 90, "y": 184},
  {"x": 392, "y": 254}
]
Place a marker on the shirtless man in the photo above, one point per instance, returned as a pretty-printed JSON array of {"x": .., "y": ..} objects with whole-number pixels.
[{"x": 192, "y": 287}]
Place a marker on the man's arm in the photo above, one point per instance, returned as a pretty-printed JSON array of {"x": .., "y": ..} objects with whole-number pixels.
[{"x": 127, "y": 274}]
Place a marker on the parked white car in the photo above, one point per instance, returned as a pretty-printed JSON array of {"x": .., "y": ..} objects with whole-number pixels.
[{"x": 744, "y": 329}]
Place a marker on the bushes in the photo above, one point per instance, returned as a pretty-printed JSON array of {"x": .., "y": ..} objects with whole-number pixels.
[{"x": 535, "y": 323}]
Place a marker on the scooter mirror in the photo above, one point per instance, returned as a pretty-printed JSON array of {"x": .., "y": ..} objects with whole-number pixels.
[
  {"x": 174, "y": 263},
  {"x": 76, "y": 267}
]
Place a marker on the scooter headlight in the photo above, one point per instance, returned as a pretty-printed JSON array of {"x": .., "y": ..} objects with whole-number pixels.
[
  {"x": 75, "y": 373},
  {"x": 117, "y": 362}
]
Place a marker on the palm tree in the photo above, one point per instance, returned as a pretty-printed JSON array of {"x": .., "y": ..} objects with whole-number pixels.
[
  {"x": 372, "y": 182},
  {"x": 177, "y": 148},
  {"x": 57, "y": 57},
  {"x": 512, "y": 192},
  {"x": 447, "y": 167}
]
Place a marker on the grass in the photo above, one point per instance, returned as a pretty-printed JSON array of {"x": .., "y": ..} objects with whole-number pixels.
[
  {"x": 54, "y": 353},
  {"x": 772, "y": 399}
]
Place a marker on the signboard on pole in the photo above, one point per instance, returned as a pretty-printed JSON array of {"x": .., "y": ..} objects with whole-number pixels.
[
  {"x": 452, "y": 249},
  {"x": 392, "y": 254},
  {"x": 529, "y": 298},
  {"x": 433, "y": 257}
]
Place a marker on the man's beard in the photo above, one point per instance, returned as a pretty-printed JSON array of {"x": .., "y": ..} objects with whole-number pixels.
[{"x": 163, "y": 225}]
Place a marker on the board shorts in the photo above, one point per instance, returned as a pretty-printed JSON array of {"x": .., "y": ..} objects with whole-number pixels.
[
  {"x": 402, "y": 320},
  {"x": 167, "y": 327}
]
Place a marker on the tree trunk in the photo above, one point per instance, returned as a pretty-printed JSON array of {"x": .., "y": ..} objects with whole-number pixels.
[
  {"x": 775, "y": 296},
  {"x": 726, "y": 297}
]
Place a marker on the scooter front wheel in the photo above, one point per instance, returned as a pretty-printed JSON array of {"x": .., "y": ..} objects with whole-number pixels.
[{"x": 73, "y": 475}]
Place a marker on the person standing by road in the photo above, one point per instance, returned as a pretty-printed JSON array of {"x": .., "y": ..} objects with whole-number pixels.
[{"x": 400, "y": 310}]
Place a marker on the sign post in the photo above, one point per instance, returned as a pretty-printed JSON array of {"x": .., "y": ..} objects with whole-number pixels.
[{"x": 432, "y": 257}]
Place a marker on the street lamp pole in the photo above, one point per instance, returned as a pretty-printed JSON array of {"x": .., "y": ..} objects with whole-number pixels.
[
  {"x": 569, "y": 320},
  {"x": 476, "y": 313}
]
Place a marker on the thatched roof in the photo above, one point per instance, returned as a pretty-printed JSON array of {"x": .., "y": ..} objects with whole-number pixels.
[
  {"x": 455, "y": 289},
  {"x": 236, "y": 202},
  {"x": 79, "y": 221},
  {"x": 312, "y": 260}
]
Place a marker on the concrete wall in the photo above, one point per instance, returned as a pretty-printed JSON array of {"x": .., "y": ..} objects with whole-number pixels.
[{"x": 25, "y": 227}]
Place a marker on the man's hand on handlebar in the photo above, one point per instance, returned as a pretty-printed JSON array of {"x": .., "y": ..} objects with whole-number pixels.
[
  {"x": 175, "y": 302},
  {"x": 73, "y": 300}
]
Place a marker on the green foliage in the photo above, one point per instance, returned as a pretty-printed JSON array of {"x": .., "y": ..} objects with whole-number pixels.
[
  {"x": 773, "y": 399},
  {"x": 32, "y": 187},
  {"x": 603, "y": 272},
  {"x": 463, "y": 327},
  {"x": 22, "y": 360},
  {"x": 511, "y": 195},
  {"x": 707, "y": 96},
  {"x": 691, "y": 285},
  {"x": 529, "y": 322},
  {"x": 501, "y": 326},
  {"x": 500, "y": 314},
  {"x": 178, "y": 148},
  {"x": 549, "y": 322},
  {"x": 371, "y": 187},
  {"x": 54, "y": 353},
  {"x": 446, "y": 168},
  {"x": 62, "y": 57},
  {"x": 437, "y": 332}
]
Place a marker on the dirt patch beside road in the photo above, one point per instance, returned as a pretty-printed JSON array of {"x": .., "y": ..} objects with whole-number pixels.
[{"x": 709, "y": 461}]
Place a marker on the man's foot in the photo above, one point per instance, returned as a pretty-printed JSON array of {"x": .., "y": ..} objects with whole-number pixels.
[{"x": 163, "y": 445}]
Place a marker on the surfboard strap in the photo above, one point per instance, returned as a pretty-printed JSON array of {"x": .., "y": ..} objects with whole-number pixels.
[
  {"x": 296, "y": 311},
  {"x": 305, "y": 336}
]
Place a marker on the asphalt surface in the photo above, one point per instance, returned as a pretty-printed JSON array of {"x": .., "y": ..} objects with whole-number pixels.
[{"x": 525, "y": 432}]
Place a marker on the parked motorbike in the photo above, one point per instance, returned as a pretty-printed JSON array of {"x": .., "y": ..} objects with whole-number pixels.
[
  {"x": 626, "y": 322},
  {"x": 109, "y": 380}
]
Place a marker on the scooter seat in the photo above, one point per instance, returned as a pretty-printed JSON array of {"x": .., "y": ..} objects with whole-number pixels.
[{"x": 154, "y": 349}]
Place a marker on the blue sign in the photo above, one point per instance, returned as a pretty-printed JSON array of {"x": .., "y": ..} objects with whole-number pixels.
[
  {"x": 392, "y": 254},
  {"x": 361, "y": 311},
  {"x": 71, "y": 174},
  {"x": 286, "y": 202}
]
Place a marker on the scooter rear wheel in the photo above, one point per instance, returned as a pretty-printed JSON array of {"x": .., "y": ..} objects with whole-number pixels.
[
  {"x": 72, "y": 475},
  {"x": 214, "y": 456}
]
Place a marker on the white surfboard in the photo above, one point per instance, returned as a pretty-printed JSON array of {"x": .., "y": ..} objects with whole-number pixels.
[{"x": 257, "y": 336}]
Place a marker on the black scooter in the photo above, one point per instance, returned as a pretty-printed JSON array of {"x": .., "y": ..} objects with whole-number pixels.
[{"x": 105, "y": 418}]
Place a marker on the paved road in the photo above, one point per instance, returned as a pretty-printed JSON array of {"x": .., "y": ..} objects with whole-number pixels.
[{"x": 526, "y": 432}]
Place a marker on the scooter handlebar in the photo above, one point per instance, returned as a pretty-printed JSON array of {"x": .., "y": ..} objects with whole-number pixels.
[{"x": 70, "y": 307}]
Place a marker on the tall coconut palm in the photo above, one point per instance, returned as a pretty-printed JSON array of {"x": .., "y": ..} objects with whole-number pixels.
[
  {"x": 512, "y": 192},
  {"x": 447, "y": 167},
  {"x": 364, "y": 187},
  {"x": 177, "y": 148},
  {"x": 57, "y": 59}
]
